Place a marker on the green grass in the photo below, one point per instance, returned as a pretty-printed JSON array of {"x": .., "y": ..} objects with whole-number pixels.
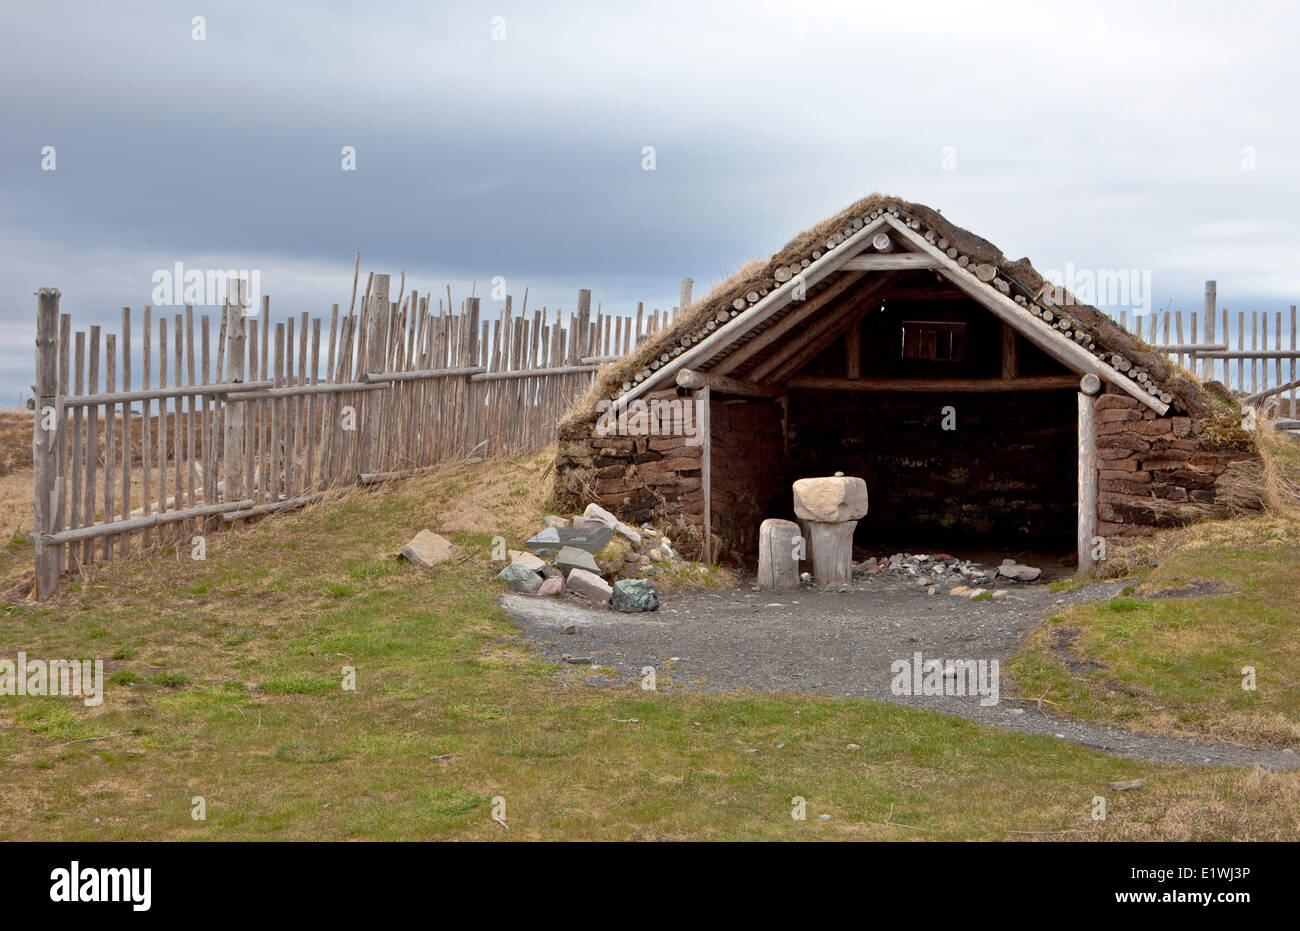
[
  {"x": 1176, "y": 665},
  {"x": 228, "y": 684}
]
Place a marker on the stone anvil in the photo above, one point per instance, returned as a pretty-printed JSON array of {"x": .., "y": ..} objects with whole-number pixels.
[{"x": 830, "y": 508}]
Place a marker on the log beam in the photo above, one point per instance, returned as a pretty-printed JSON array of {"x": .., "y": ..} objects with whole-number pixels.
[
  {"x": 695, "y": 379},
  {"x": 1027, "y": 383}
]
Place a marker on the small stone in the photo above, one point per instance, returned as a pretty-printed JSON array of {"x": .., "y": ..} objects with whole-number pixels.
[
  {"x": 596, "y": 512},
  {"x": 852, "y": 747},
  {"x": 1001, "y": 595},
  {"x": 960, "y": 590},
  {"x": 975, "y": 593},
  {"x": 427, "y": 549},
  {"x": 570, "y": 557},
  {"x": 553, "y": 585},
  {"x": 570, "y": 628},
  {"x": 551, "y": 520},
  {"x": 527, "y": 560},
  {"x": 1014, "y": 570},
  {"x": 634, "y": 595},
  {"x": 577, "y": 660},
  {"x": 589, "y": 585},
  {"x": 1131, "y": 784},
  {"x": 520, "y": 579}
]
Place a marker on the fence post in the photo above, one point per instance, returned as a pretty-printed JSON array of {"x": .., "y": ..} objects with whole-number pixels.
[
  {"x": 232, "y": 450},
  {"x": 1211, "y": 305},
  {"x": 583, "y": 335},
  {"x": 45, "y": 430},
  {"x": 685, "y": 300}
]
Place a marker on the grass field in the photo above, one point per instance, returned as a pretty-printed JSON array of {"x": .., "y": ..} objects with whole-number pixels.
[
  {"x": 225, "y": 683},
  {"x": 1176, "y": 665}
]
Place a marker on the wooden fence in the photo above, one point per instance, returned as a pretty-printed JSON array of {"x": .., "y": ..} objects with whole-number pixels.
[
  {"x": 1202, "y": 342},
  {"x": 262, "y": 417}
]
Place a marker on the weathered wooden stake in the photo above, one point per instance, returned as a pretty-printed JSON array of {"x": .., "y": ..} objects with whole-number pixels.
[{"x": 44, "y": 439}]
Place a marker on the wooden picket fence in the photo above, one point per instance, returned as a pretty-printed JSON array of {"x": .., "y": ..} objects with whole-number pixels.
[
  {"x": 263, "y": 418},
  {"x": 1201, "y": 342}
]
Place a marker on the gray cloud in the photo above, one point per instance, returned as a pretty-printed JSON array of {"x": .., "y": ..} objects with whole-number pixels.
[{"x": 1111, "y": 139}]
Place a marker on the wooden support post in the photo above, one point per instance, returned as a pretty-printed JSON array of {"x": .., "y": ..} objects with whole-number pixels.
[
  {"x": 232, "y": 449},
  {"x": 704, "y": 431},
  {"x": 45, "y": 432},
  {"x": 685, "y": 300},
  {"x": 1010, "y": 364},
  {"x": 1211, "y": 311},
  {"x": 1087, "y": 475}
]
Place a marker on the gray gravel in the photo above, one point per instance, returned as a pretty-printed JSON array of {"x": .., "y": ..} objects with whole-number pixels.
[{"x": 842, "y": 643}]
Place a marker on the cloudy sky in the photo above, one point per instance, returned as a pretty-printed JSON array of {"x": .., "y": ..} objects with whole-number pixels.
[{"x": 507, "y": 139}]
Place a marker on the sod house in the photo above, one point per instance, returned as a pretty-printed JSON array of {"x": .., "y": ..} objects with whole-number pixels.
[{"x": 984, "y": 407}]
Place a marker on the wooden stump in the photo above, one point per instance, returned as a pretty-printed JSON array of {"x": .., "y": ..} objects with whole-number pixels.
[
  {"x": 778, "y": 563},
  {"x": 831, "y": 548}
]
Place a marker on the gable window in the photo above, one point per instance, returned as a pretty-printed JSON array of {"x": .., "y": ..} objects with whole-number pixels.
[{"x": 933, "y": 340}]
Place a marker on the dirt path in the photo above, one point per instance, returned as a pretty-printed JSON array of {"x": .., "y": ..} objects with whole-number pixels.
[{"x": 844, "y": 644}]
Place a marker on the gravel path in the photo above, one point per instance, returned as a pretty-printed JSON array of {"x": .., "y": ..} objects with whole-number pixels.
[{"x": 843, "y": 643}]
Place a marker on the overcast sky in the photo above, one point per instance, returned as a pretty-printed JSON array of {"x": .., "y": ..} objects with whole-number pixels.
[{"x": 1157, "y": 137}]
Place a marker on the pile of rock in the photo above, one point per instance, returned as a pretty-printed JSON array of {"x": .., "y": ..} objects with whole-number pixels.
[
  {"x": 591, "y": 548},
  {"x": 962, "y": 578}
]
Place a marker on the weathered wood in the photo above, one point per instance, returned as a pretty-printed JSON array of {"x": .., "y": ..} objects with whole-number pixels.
[
  {"x": 1010, "y": 364},
  {"x": 853, "y": 351},
  {"x": 830, "y": 546},
  {"x": 899, "y": 261},
  {"x": 693, "y": 378},
  {"x": 96, "y": 531},
  {"x": 778, "y": 564},
  {"x": 704, "y": 430},
  {"x": 1024, "y": 383},
  {"x": 233, "y": 445},
  {"x": 1087, "y": 524},
  {"x": 44, "y": 438}
]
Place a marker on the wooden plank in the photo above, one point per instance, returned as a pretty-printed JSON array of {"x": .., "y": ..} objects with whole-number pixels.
[
  {"x": 1211, "y": 309},
  {"x": 78, "y": 447},
  {"x": 92, "y": 447},
  {"x": 162, "y": 416},
  {"x": 1010, "y": 364},
  {"x": 852, "y": 351},
  {"x": 236, "y": 353},
  {"x": 110, "y": 439},
  {"x": 124, "y": 542},
  {"x": 60, "y": 503},
  {"x": 888, "y": 262},
  {"x": 146, "y": 419}
]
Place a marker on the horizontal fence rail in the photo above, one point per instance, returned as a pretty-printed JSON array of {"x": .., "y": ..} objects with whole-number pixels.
[{"x": 243, "y": 416}]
